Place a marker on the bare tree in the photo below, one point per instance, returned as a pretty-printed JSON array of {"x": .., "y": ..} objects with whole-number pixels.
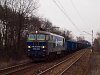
[
  {"x": 98, "y": 35},
  {"x": 97, "y": 43},
  {"x": 67, "y": 34},
  {"x": 46, "y": 25},
  {"x": 35, "y": 24},
  {"x": 14, "y": 15},
  {"x": 80, "y": 38}
]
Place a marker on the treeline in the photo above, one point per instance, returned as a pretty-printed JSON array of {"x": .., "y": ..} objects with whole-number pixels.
[
  {"x": 96, "y": 46},
  {"x": 17, "y": 19}
]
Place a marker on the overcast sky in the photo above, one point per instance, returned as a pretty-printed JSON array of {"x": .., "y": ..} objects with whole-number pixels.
[{"x": 85, "y": 14}]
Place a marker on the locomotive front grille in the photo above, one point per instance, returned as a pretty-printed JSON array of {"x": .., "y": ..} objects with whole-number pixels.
[{"x": 36, "y": 43}]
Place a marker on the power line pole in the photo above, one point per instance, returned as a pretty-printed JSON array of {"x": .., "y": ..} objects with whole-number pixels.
[{"x": 92, "y": 40}]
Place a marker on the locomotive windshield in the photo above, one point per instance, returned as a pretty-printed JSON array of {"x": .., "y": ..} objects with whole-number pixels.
[
  {"x": 40, "y": 37},
  {"x": 32, "y": 37},
  {"x": 36, "y": 37}
]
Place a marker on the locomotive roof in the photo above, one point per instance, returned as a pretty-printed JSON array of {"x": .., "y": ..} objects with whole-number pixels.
[{"x": 45, "y": 32}]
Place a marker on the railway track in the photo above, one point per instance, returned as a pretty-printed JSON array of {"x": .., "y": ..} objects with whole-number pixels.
[
  {"x": 63, "y": 66},
  {"x": 35, "y": 68},
  {"x": 15, "y": 68}
]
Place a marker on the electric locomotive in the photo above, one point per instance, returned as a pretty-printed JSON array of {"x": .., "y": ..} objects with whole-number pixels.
[{"x": 41, "y": 44}]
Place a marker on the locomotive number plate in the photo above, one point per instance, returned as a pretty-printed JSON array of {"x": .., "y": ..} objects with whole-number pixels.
[{"x": 36, "y": 48}]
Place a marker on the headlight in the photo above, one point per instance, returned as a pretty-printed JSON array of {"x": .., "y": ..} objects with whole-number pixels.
[
  {"x": 29, "y": 46},
  {"x": 42, "y": 46}
]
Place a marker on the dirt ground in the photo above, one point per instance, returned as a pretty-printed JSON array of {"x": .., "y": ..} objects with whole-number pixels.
[
  {"x": 95, "y": 64},
  {"x": 95, "y": 59},
  {"x": 4, "y": 64}
]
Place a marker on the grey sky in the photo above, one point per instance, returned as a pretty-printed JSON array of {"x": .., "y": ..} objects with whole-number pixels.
[{"x": 89, "y": 10}]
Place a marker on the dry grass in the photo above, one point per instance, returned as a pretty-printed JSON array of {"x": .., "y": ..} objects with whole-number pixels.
[
  {"x": 95, "y": 64},
  {"x": 10, "y": 62}
]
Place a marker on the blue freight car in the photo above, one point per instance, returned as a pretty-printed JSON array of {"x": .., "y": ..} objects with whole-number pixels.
[
  {"x": 83, "y": 44},
  {"x": 70, "y": 46}
]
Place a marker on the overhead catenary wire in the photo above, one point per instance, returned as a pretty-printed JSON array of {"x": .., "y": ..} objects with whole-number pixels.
[
  {"x": 65, "y": 13},
  {"x": 78, "y": 12}
]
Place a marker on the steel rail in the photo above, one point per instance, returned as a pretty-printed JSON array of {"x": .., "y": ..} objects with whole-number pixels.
[
  {"x": 71, "y": 64},
  {"x": 14, "y": 67},
  {"x": 57, "y": 65}
]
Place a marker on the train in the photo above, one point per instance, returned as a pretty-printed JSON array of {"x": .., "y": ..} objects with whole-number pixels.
[{"x": 42, "y": 44}]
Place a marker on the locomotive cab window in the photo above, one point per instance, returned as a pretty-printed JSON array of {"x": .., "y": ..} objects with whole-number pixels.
[
  {"x": 40, "y": 37},
  {"x": 36, "y": 37},
  {"x": 32, "y": 37}
]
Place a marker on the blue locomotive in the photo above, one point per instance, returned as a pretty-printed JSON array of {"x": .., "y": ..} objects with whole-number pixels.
[{"x": 42, "y": 44}]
